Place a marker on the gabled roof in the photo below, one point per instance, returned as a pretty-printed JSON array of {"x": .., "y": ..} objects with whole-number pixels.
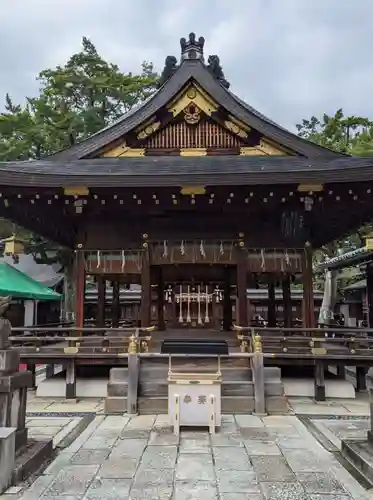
[{"x": 194, "y": 71}]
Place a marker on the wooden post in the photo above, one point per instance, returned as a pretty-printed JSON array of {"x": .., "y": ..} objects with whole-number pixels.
[
  {"x": 80, "y": 288},
  {"x": 361, "y": 372},
  {"x": 271, "y": 303},
  {"x": 242, "y": 313},
  {"x": 308, "y": 303},
  {"x": 31, "y": 367},
  {"x": 319, "y": 381},
  {"x": 257, "y": 366},
  {"x": 101, "y": 301},
  {"x": 160, "y": 300},
  {"x": 116, "y": 304},
  {"x": 133, "y": 375},
  {"x": 146, "y": 290},
  {"x": 227, "y": 303},
  {"x": 70, "y": 380},
  {"x": 287, "y": 303}
]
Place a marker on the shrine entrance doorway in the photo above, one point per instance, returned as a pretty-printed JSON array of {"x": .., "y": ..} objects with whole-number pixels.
[{"x": 196, "y": 296}]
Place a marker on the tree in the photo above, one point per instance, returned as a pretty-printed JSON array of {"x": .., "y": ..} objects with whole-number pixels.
[
  {"x": 75, "y": 101},
  {"x": 344, "y": 134},
  {"x": 349, "y": 135}
]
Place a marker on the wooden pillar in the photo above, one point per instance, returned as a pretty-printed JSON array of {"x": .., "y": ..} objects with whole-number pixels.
[
  {"x": 160, "y": 300},
  {"x": 361, "y": 372},
  {"x": 227, "y": 303},
  {"x": 319, "y": 381},
  {"x": 80, "y": 288},
  {"x": 31, "y": 367},
  {"x": 369, "y": 293},
  {"x": 271, "y": 303},
  {"x": 146, "y": 290},
  {"x": 70, "y": 380},
  {"x": 242, "y": 313},
  {"x": 116, "y": 304},
  {"x": 308, "y": 303},
  {"x": 101, "y": 300},
  {"x": 287, "y": 304}
]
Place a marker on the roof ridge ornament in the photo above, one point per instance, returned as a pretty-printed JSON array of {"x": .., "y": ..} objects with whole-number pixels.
[{"x": 192, "y": 48}]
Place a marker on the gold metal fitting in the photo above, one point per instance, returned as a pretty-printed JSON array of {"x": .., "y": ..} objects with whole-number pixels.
[
  {"x": 244, "y": 346},
  {"x": 132, "y": 346},
  {"x": 257, "y": 343},
  {"x": 241, "y": 244},
  {"x": 145, "y": 245},
  {"x": 145, "y": 236},
  {"x": 79, "y": 245}
]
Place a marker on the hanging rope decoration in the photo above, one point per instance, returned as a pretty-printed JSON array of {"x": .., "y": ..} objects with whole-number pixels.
[
  {"x": 98, "y": 259},
  {"x": 123, "y": 259},
  {"x": 181, "y": 319},
  {"x": 263, "y": 263},
  {"x": 188, "y": 318},
  {"x": 165, "y": 249},
  {"x": 199, "y": 320},
  {"x": 202, "y": 249},
  {"x": 287, "y": 258},
  {"x": 182, "y": 248},
  {"x": 221, "y": 249},
  {"x": 207, "y": 319}
]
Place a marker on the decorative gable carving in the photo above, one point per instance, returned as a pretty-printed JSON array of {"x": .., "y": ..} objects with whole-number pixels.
[{"x": 204, "y": 134}]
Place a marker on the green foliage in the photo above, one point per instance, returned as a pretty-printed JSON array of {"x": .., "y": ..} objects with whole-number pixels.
[
  {"x": 74, "y": 102},
  {"x": 349, "y": 135},
  {"x": 344, "y": 134}
]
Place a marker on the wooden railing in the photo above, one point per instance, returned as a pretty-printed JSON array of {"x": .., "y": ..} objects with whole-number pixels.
[
  {"x": 347, "y": 344},
  {"x": 70, "y": 342}
]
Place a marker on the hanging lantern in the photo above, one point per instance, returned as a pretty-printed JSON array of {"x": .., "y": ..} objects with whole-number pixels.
[{"x": 13, "y": 246}]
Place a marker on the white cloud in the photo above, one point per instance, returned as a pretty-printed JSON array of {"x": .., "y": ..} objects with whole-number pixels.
[{"x": 288, "y": 58}]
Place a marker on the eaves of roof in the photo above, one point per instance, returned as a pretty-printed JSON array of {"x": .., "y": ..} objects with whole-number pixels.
[
  {"x": 353, "y": 258},
  {"x": 177, "y": 171}
]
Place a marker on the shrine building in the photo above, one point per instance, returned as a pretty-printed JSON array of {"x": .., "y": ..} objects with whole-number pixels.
[{"x": 195, "y": 196}]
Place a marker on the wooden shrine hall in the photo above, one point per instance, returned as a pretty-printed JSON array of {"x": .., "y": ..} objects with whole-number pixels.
[{"x": 195, "y": 196}]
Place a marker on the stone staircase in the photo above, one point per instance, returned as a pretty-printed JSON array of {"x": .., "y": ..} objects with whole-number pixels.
[{"x": 237, "y": 387}]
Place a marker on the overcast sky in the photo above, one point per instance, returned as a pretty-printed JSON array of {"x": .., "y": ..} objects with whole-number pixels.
[{"x": 290, "y": 59}]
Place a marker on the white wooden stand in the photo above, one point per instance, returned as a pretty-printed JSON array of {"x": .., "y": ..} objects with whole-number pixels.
[{"x": 194, "y": 399}]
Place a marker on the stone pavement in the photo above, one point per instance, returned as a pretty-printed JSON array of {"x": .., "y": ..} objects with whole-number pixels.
[
  {"x": 56, "y": 428},
  {"x": 123, "y": 458},
  {"x": 299, "y": 405}
]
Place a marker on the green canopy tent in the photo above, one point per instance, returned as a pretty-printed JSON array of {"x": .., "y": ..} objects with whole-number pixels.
[{"x": 15, "y": 284}]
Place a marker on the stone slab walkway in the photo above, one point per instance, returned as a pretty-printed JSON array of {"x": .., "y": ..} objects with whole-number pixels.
[
  {"x": 122, "y": 458},
  {"x": 43, "y": 428}
]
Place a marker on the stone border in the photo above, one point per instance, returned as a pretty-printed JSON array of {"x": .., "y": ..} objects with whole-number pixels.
[
  {"x": 60, "y": 414},
  {"x": 331, "y": 447}
]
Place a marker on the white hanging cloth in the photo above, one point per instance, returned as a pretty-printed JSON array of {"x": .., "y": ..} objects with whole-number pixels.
[
  {"x": 207, "y": 319},
  {"x": 181, "y": 319},
  {"x": 165, "y": 249},
  {"x": 200, "y": 322},
  {"x": 98, "y": 259},
  {"x": 189, "y": 319}
]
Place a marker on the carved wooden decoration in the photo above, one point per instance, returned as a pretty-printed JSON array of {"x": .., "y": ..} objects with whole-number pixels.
[
  {"x": 264, "y": 148},
  {"x": 123, "y": 151},
  {"x": 204, "y": 134}
]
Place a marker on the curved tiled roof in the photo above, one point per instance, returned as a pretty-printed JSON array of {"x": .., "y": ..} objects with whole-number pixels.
[
  {"x": 194, "y": 70},
  {"x": 176, "y": 171}
]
